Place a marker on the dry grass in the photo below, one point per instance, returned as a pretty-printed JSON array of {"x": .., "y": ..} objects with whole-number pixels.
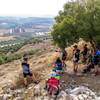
[{"x": 40, "y": 68}]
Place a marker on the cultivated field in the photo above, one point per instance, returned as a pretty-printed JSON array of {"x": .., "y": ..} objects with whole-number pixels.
[{"x": 6, "y": 38}]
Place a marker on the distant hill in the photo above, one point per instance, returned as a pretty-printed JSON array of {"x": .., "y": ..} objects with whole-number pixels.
[{"x": 28, "y": 22}]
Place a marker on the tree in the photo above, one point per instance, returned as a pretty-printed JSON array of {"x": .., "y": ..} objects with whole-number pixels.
[{"x": 80, "y": 18}]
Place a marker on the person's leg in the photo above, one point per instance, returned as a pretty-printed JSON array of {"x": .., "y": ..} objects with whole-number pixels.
[
  {"x": 63, "y": 63},
  {"x": 84, "y": 58},
  {"x": 85, "y": 69},
  {"x": 96, "y": 69},
  {"x": 46, "y": 86},
  {"x": 33, "y": 77},
  {"x": 88, "y": 68},
  {"x": 63, "y": 66},
  {"x": 25, "y": 81},
  {"x": 76, "y": 67},
  {"x": 57, "y": 91},
  {"x": 73, "y": 66}
]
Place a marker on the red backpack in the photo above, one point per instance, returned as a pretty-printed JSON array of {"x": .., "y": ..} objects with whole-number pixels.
[{"x": 52, "y": 85}]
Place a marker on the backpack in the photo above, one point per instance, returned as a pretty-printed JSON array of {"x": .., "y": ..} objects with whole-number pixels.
[
  {"x": 98, "y": 52},
  {"x": 52, "y": 85},
  {"x": 58, "y": 65},
  {"x": 77, "y": 54},
  {"x": 95, "y": 58},
  {"x": 64, "y": 53},
  {"x": 85, "y": 51},
  {"x": 25, "y": 68}
]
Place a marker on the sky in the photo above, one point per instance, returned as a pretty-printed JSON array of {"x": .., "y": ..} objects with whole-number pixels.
[{"x": 31, "y": 7}]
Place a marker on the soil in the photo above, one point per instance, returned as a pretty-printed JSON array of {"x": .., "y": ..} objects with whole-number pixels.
[{"x": 88, "y": 80}]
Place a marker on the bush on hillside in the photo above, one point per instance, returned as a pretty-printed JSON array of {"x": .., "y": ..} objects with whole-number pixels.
[
  {"x": 1, "y": 60},
  {"x": 12, "y": 57}
]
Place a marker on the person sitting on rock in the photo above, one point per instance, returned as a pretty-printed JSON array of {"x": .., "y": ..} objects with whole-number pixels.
[{"x": 26, "y": 71}]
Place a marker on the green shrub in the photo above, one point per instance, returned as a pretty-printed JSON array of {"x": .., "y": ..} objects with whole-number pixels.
[
  {"x": 12, "y": 57},
  {"x": 1, "y": 60}
]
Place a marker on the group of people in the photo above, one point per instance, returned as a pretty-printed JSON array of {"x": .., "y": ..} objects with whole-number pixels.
[
  {"x": 52, "y": 84},
  {"x": 56, "y": 69},
  {"x": 90, "y": 59}
]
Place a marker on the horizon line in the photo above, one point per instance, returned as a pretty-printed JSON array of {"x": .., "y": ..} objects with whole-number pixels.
[{"x": 26, "y": 16}]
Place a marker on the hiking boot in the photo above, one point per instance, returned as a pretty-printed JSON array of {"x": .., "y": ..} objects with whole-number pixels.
[
  {"x": 75, "y": 70},
  {"x": 35, "y": 82},
  {"x": 96, "y": 73},
  {"x": 26, "y": 86}
]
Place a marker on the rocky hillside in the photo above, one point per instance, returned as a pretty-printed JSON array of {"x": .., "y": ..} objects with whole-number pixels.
[{"x": 71, "y": 87}]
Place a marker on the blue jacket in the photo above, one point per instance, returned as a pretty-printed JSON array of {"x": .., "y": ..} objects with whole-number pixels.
[
  {"x": 58, "y": 65},
  {"x": 25, "y": 67}
]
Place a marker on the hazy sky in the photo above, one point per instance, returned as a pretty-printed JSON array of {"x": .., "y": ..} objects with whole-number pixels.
[{"x": 30, "y": 7}]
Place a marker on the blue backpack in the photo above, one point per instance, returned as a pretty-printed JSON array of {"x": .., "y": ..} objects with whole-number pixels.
[
  {"x": 95, "y": 58},
  {"x": 98, "y": 52}
]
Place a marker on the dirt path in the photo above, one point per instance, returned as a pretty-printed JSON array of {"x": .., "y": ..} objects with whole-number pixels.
[{"x": 89, "y": 80}]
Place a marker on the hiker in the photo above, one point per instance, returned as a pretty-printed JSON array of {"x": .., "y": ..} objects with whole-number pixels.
[
  {"x": 63, "y": 56},
  {"x": 76, "y": 54},
  {"x": 93, "y": 62},
  {"x": 85, "y": 52},
  {"x": 96, "y": 61},
  {"x": 89, "y": 64},
  {"x": 52, "y": 86},
  {"x": 26, "y": 71},
  {"x": 58, "y": 65}
]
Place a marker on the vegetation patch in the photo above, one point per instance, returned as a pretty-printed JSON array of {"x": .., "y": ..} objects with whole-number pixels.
[
  {"x": 78, "y": 19},
  {"x": 12, "y": 57}
]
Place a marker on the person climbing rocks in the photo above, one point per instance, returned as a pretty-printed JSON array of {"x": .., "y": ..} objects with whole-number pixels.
[
  {"x": 85, "y": 53},
  {"x": 76, "y": 55},
  {"x": 26, "y": 71}
]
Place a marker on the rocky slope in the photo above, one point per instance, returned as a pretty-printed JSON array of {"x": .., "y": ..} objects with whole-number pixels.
[{"x": 71, "y": 87}]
